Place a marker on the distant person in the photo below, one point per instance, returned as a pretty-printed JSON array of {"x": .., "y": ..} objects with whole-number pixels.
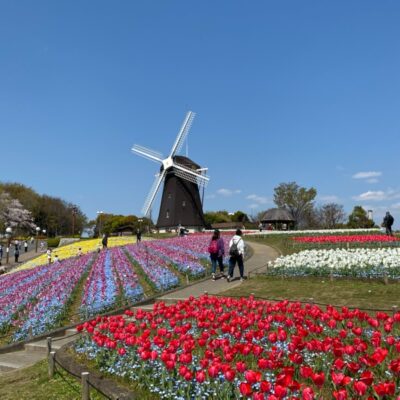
[
  {"x": 1, "y": 253},
  {"x": 387, "y": 223},
  {"x": 216, "y": 249},
  {"x": 56, "y": 259},
  {"x": 260, "y": 226},
  {"x": 41, "y": 247},
  {"x": 32, "y": 239},
  {"x": 79, "y": 252},
  {"x": 17, "y": 245},
  {"x": 16, "y": 253},
  {"x": 138, "y": 236},
  {"x": 48, "y": 256},
  {"x": 26, "y": 246},
  {"x": 236, "y": 252},
  {"x": 104, "y": 242}
]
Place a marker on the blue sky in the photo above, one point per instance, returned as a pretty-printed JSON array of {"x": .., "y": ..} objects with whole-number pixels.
[{"x": 284, "y": 91}]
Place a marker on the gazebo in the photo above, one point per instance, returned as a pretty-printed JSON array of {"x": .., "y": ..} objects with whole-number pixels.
[{"x": 277, "y": 218}]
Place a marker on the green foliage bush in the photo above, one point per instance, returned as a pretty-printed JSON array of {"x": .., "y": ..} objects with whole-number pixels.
[{"x": 53, "y": 242}]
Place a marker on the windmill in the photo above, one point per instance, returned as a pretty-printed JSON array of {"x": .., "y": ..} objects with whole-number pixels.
[{"x": 182, "y": 177}]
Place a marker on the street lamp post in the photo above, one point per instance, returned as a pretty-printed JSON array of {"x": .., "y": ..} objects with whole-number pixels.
[
  {"x": 37, "y": 237},
  {"x": 74, "y": 212},
  {"x": 100, "y": 213},
  {"x": 8, "y": 237}
]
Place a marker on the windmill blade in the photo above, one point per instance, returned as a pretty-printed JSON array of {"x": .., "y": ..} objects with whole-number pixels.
[
  {"x": 187, "y": 123},
  {"x": 190, "y": 178},
  {"x": 152, "y": 194},
  {"x": 190, "y": 175},
  {"x": 147, "y": 153}
]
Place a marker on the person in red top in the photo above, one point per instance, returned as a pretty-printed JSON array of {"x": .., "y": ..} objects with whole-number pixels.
[{"x": 217, "y": 252}]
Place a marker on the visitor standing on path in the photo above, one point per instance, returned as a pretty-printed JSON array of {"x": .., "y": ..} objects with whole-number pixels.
[
  {"x": 138, "y": 236},
  {"x": 1, "y": 253},
  {"x": 387, "y": 223},
  {"x": 236, "y": 252},
  {"x": 216, "y": 249},
  {"x": 16, "y": 253},
  {"x": 49, "y": 256},
  {"x": 26, "y": 246}
]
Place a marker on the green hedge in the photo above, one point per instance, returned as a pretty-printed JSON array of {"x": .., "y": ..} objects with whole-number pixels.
[{"x": 53, "y": 242}]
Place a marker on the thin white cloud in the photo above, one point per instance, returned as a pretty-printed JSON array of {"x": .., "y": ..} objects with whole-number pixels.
[
  {"x": 254, "y": 206},
  {"x": 258, "y": 199},
  {"x": 371, "y": 195},
  {"x": 378, "y": 195},
  {"x": 371, "y": 180},
  {"x": 328, "y": 198},
  {"x": 228, "y": 192},
  {"x": 367, "y": 175}
]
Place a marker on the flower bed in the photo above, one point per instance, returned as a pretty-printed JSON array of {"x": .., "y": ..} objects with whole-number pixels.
[
  {"x": 224, "y": 348},
  {"x": 34, "y": 299},
  {"x": 52, "y": 300},
  {"x": 333, "y": 239},
  {"x": 129, "y": 281},
  {"x": 356, "y": 263},
  {"x": 153, "y": 266}
]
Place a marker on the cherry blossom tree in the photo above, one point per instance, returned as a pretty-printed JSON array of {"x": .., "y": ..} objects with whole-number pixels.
[{"x": 13, "y": 214}]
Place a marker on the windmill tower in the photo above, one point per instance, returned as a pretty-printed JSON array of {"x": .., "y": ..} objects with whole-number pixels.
[{"x": 182, "y": 177}]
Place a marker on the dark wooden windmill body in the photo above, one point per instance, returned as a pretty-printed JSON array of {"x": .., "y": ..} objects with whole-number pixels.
[{"x": 180, "y": 202}]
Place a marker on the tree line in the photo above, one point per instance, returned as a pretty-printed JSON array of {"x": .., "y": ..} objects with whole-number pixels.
[
  {"x": 24, "y": 209},
  {"x": 300, "y": 203}
]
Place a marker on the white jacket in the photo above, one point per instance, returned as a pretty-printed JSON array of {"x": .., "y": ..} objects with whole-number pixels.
[{"x": 240, "y": 243}]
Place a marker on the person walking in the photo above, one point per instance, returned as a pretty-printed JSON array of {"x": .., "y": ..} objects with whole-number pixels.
[
  {"x": 16, "y": 253},
  {"x": 387, "y": 223},
  {"x": 138, "y": 236},
  {"x": 48, "y": 252},
  {"x": 1, "y": 252},
  {"x": 105, "y": 241},
  {"x": 236, "y": 252},
  {"x": 216, "y": 249},
  {"x": 26, "y": 246}
]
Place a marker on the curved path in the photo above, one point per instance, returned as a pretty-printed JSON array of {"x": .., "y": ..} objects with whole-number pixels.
[
  {"x": 257, "y": 263},
  {"x": 37, "y": 350}
]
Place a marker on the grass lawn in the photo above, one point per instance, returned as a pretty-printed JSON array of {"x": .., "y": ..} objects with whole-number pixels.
[
  {"x": 340, "y": 292},
  {"x": 32, "y": 383}
]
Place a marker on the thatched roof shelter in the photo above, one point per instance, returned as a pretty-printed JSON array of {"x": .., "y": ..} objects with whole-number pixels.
[{"x": 278, "y": 218}]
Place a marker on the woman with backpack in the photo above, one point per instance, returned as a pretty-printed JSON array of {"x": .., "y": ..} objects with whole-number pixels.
[
  {"x": 216, "y": 249},
  {"x": 236, "y": 252}
]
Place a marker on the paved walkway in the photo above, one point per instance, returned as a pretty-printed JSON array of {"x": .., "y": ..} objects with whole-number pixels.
[
  {"x": 23, "y": 257},
  {"x": 257, "y": 263}
]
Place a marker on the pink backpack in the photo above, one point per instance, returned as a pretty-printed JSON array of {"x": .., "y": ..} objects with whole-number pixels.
[{"x": 213, "y": 247}]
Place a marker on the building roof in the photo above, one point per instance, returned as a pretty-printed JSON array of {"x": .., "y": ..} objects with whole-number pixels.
[{"x": 276, "y": 215}]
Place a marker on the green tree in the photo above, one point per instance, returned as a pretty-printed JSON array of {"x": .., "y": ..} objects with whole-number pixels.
[
  {"x": 298, "y": 201},
  {"x": 359, "y": 219}
]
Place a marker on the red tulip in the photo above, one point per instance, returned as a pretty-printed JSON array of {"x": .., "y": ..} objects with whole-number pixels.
[
  {"x": 308, "y": 394},
  {"x": 245, "y": 389},
  {"x": 360, "y": 387},
  {"x": 200, "y": 376}
]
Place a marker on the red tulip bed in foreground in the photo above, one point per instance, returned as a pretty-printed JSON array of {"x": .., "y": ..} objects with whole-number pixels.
[
  {"x": 225, "y": 348},
  {"x": 333, "y": 239}
]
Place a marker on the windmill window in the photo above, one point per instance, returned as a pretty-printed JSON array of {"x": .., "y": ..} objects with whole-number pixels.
[
  {"x": 170, "y": 195},
  {"x": 167, "y": 214},
  {"x": 183, "y": 203}
]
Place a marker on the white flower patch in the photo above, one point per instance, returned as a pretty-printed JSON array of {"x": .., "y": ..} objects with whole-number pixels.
[{"x": 363, "y": 263}]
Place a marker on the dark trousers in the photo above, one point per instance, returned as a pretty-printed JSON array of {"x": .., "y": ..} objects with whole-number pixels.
[
  {"x": 214, "y": 260},
  {"x": 232, "y": 263},
  {"x": 389, "y": 231}
]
